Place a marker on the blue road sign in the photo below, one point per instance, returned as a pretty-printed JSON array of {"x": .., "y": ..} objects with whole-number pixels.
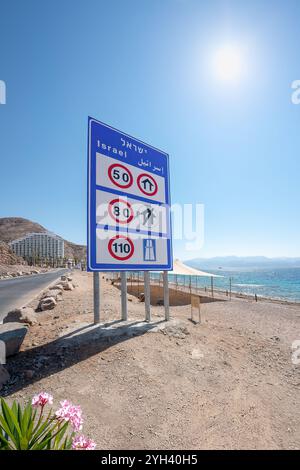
[
  {"x": 129, "y": 221},
  {"x": 149, "y": 247}
]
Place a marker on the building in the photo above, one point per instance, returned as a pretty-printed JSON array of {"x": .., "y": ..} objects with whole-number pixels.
[{"x": 39, "y": 245}]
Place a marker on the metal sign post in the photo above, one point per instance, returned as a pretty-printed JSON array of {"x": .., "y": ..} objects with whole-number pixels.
[
  {"x": 147, "y": 296},
  {"x": 124, "y": 295},
  {"x": 96, "y": 279},
  {"x": 166, "y": 295}
]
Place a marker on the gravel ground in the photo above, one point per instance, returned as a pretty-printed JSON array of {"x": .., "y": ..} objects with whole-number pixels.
[{"x": 228, "y": 383}]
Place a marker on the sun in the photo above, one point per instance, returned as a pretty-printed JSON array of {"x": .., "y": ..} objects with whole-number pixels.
[{"x": 228, "y": 63}]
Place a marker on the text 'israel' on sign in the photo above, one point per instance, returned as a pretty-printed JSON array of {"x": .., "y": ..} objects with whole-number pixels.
[{"x": 129, "y": 226}]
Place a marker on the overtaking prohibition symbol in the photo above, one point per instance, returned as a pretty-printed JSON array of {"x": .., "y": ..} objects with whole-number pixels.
[
  {"x": 120, "y": 175},
  {"x": 120, "y": 210},
  {"x": 121, "y": 247},
  {"x": 147, "y": 184}
]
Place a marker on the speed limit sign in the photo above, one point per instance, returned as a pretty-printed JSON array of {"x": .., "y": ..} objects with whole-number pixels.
[
  {"x": 120, "y": 247},
  {"x": 121, "y": 211},
  {"x": 120, "y": 175},
  {"x": 129, "y": 205}
]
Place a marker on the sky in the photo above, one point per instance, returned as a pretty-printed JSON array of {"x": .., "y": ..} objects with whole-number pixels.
[{"x": 148, "y": 68}]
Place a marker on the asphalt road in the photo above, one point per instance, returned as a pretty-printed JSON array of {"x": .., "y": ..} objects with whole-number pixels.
[{"x": 18, "y": 291}]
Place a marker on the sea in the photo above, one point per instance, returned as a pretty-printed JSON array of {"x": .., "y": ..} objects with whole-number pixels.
[{"x": 279, "y": 283}]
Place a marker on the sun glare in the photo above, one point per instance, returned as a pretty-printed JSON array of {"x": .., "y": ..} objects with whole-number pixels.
[{"x": 228, "y": 63}]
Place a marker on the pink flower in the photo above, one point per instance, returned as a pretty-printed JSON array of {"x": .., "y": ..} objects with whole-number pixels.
[
  {"x": 71, "y": 413},
  {"x": 42, "y": 399},
  {"x": 83, "y": 443}
]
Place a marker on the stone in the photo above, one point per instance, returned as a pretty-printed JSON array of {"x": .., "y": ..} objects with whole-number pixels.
[
  {"x": 12, "y": 334},
  {"x": 52, "y": 293},
  {"x": 4, "y": 376},
  {"x": 68, "y": 286},
  {"x": 22, "y": 315},
  {"x": 160, "y": 302},
  {"x": 57, "y": 286},
  {"x": 47, "y": 303},
  {"x": 63, "y": 278},
  {"x": 29, "y": 373},
  {"x": 34, "y": 271},
  {"x": 142, "y": 297}
]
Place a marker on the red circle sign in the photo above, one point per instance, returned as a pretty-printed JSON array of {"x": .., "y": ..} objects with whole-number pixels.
[
  {"x": 147, "y": 184},
  {"x": 121, "y": 211},
  {"x": 120, "y": 247},
  {"x": 120, "y": 175}
]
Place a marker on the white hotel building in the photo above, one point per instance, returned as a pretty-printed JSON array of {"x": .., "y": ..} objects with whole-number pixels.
[{"x": 41, "y": 245}]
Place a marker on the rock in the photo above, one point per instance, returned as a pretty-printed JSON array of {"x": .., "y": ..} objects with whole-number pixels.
[
  {"x": 34, "y": 271},
  {"x": 52, "y": 293},
  {"x": 22, "y": 315},
  {"x": 63, "y": 278},
  {"x": 47, "y": 303},
  {"x": 60, "y": 286},
  {"x": 69, "y": 278},
  {"x": 68, "y": 286},
  {"x": 29, "y": 373},
  {"x": 141, "y": 297},
  {"x": 160, "y": 302},
  {"x": 13, "y": 335},
  {"x": 57, "y": 286},
  {"x": 4, "y": 376}
]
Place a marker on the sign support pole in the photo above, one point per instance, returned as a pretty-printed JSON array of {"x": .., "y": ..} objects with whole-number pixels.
[
  {"x": 147, "y": 296},
  {"x": 166, "y": 295},
  {"x": 124, "y": 295},
  {"x": 96, "y": 279}
]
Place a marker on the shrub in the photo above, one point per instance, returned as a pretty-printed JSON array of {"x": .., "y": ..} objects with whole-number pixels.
[{"x": 32, "y": 428}]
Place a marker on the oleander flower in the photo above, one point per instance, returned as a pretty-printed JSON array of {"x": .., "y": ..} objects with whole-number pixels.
[
  {"x": 71, "y": 413},
  {"x": 83, "y": 443},
  {"x": 42, "y": 399}
]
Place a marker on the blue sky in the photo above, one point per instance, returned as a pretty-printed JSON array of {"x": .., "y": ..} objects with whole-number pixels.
[{"x": 145, "y": 67}]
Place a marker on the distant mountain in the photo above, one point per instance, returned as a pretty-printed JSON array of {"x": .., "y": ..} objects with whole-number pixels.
[
  {"x": 12, "y": 228},
  {"x": 243, "y": 262}
]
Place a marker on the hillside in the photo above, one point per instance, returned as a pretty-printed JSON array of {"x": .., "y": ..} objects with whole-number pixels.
[
  {"x": 16, "y": 227},
  {"x": 7, "y": 257}
]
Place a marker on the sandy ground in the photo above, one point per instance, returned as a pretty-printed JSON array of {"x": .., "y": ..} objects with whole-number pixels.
[{"x": 228, "y": 383}]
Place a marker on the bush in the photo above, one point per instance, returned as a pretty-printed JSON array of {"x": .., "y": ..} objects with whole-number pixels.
[{"x": 32, "y": 428}]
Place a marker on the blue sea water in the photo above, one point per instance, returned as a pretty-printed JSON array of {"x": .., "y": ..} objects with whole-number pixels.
[{"x": 280, "y": 283}]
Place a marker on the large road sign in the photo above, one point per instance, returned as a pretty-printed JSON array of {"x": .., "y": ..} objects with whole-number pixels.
[{"x": 129, "y": 226}]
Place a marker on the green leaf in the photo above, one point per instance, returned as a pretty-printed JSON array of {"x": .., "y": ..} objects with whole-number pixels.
[
  {"x": 11, "y": 420},
  {"x": 7, "y": 430}
]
